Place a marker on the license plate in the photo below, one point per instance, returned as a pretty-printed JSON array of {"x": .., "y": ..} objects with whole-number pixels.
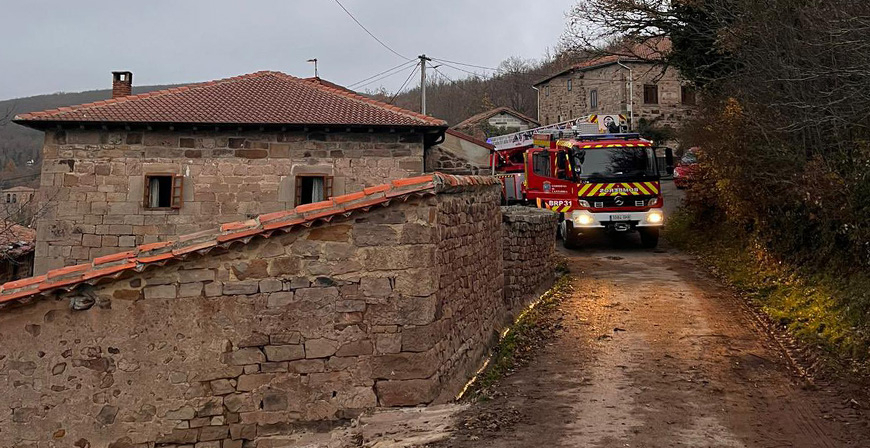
[{"x": 620, "y": 217}]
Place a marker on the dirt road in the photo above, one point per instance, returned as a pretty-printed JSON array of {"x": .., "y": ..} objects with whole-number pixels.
[{"x": 654, "y": 353}]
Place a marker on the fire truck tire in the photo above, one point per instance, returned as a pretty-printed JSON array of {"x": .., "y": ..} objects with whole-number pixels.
[
  {"x": 570, "y": 238},
  {"x": 649, "y": 238}
]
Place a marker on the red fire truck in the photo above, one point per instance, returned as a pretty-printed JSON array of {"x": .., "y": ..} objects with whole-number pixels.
[{"x": 596, "y": 182}]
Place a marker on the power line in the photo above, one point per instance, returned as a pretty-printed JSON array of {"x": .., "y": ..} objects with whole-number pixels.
[
  {"x": 468, "y": 65},
  {"x": 371, "y": 79},
  {"x": 457, "y": 68},
  {"x": 369, "y": 32},
  {"x": 404, "y": 84}
]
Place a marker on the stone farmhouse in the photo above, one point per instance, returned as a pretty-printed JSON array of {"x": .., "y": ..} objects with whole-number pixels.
[
  {"x": 236, "y": 335},
  {"x": 618, "y": 84},
  {"x": 502, "y": 119},
  {"x": 136, "y": 169}
]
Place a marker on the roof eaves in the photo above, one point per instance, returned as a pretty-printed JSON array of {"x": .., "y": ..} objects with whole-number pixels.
[{"x": 155, "y": 254}]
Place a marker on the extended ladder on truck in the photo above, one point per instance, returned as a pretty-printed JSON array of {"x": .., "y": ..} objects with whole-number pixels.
[{"x": 587, "y": 124}]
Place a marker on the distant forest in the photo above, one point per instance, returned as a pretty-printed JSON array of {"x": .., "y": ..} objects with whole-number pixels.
[{"x": 448, "y": 98}]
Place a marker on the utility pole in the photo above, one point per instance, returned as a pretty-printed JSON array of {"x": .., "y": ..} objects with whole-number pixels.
[{"x": 423, "y": 61}]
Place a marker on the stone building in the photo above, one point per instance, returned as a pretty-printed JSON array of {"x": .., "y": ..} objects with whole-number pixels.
[
  {"x": 460, "y": 153},
  {"x": 617, "y": 84},
  {"x": 16, "y": 251},
  {"x": 233, "y": 336},
  {"x": 136, "y": 169},
  {"x": 501, "y": 119}
]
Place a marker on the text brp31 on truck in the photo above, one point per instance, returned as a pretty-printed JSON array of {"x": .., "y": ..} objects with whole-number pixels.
[{"x": 597, "y": 182}]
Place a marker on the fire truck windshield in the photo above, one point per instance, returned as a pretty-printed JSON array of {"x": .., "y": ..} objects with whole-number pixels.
[{"x": 614, "y": 163}]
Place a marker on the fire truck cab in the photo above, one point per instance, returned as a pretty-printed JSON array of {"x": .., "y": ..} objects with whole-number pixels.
[{"x": 597, "y": 182}]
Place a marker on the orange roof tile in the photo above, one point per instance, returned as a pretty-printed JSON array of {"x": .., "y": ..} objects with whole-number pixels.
[
  {"x": 139, "y": 258},
  {"x": 265, "y": 97}
]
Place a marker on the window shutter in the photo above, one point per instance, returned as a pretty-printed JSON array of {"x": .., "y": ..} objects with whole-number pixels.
[
  {"x": 177, "y": 190},
  {"x": 327, "y": 187},
  {"x": 298, "y": 181},
  {"x": 147, "y": 199}
]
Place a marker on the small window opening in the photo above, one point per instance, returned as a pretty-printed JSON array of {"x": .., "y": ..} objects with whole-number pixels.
[
  {"x": 163, "y": 191},
  {"x": 593, "y": 99},
  {"x": 310, "y": 189},
  {"x": 14, "y": 198},
  {"x": 650, "y": 94},
  {"x": 570, "y": 85}
]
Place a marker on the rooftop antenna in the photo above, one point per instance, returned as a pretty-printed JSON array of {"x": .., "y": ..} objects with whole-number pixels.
[{"x": 314, "y": 60}]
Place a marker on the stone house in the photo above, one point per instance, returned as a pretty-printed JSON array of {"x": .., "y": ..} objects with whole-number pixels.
[
  {"x": 236, "y": 335},
  {"x": 136, "y": 169},
  {"x": 17, "y": 195},
  {"x": 616, "y": 84},
  {"x": 503, "y": 119},
  {"x": 16, "y": 251},
  {"x": 460, "y": 153}
]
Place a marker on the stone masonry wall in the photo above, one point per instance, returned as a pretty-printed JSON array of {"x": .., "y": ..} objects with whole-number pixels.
[
  {"x": 92, "y": 183},
  {"x": 528, "y": 244},
  {"x": 613, "y": 95},
  {"x": 391, "y": 307}
]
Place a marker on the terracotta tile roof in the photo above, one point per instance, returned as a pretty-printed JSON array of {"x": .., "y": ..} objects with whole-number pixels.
[
  {"x": 266, "y": 97},
  {"x": 15, "y": 240},
  {"x": 471, "y": 139},
  {"x": 474, "y": 119},
  {"x": 140, "y": 258},
  {"x": 649, "y": 51}
]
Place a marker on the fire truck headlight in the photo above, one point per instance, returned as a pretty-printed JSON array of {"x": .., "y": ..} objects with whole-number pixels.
[
  {"x": 654, "y": 217},
  {"x": 583, "y": 203},
  {"x": 584, "y": 219},
  {"x": 653, "y": 201}
]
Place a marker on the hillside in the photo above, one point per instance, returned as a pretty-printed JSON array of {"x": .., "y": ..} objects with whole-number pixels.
[{"x": 19, "y": 144}]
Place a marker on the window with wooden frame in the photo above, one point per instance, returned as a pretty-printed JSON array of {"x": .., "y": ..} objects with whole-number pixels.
[
  {"x": 650, "y": 94},
  {"x": 687, "y": 93},
  {"x": 163, "y": 191},
  {"x": 312, "y": 188}
]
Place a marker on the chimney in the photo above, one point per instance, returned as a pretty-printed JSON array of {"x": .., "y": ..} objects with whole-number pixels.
[{"x": 122, "y": 84}]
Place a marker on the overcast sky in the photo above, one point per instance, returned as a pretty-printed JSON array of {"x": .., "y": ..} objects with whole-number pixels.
[{"x": 63, "y": 45}]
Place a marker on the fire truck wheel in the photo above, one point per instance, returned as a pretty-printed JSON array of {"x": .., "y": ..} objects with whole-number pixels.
[
  {"x": 570, "y": 238},
  {"x": 649, "y": 238}
]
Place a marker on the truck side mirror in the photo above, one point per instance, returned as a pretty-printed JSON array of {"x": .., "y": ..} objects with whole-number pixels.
[{"x": 669, "y": 161}]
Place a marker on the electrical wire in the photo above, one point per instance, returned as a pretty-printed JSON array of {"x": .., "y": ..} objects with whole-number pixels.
[
  {"x": 370, "y": 33},
  {"x": 457, "y": 68},
  {"x": 371, "y": 79},
  {"x": 467, "y": 65},
  {"x": 404, "y": 84}
]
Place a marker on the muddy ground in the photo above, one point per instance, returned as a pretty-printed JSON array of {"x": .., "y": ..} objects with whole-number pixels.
[{"x": 652, "y": 352}]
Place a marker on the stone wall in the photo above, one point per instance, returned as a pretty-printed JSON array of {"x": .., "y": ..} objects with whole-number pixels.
[
  {"x": 613, "y": 95},
  {"x": 93, "y": 182},
  {"x": 396, "y": 306},
  {"x": 528, "y": 244}
]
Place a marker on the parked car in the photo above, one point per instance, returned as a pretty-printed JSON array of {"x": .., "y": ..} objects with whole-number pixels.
[{"x": 685, "y": 170}]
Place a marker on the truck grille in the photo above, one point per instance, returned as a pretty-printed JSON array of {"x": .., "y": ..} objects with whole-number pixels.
[{"x": 610, "y": 201}]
